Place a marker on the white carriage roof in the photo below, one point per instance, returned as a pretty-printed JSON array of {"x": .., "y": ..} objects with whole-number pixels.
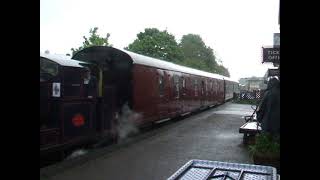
[
  {"x": 230, "y": 79},
  {"x": 149, "y": 61},
  {"x": 63, "y": 60}
]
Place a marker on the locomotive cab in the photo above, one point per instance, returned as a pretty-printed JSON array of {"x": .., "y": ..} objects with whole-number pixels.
[{"x": 114, "y": 71}]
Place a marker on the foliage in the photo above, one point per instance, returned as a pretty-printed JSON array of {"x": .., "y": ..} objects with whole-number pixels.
[
  {"x": 200, "y": 56},
  {"x": 196, "y": 50},
  {"x": 157, "y": 44},
  {"x": 191, "y": 51},
  {"x": 222, "y": 70},
  {"x": 93, "y": 40},
  {"x": 267, "y": 145},
  {"x": 247, "y": 101}
]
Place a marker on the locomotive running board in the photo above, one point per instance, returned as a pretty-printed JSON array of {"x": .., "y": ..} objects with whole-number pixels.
[{"x": 163, "y": 120}]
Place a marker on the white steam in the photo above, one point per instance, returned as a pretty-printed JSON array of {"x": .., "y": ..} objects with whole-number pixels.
[
  {"x": 77, "y": 153},
  {"x": 126, "y": 122}
]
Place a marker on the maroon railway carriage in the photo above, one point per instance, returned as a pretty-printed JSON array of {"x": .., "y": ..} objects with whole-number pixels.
[
  {"x": 231, "y": 88},
  {"x": 157, "y": 90}
]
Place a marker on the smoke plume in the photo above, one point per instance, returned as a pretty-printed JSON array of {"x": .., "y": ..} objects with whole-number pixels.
[{"x": 127, "y": 122}]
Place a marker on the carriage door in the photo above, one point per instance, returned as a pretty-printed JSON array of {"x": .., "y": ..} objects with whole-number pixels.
[
  {"x": 183, "y": 99},
  {"x": 176, "y": 95},
  {"x": 202, "y": 98},
  {"x": 107, "y": 102},
  {"x": 104, "y": 106},
  {"x": 163, "y": 103}
]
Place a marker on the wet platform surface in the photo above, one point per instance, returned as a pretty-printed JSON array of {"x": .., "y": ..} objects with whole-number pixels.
[{"x": 210, "y": 135}]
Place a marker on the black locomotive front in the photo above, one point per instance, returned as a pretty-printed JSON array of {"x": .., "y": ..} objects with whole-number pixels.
[{"x": 67, "y": 113}]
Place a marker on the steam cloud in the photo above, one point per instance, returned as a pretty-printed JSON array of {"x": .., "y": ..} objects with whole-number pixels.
[
  {"x": 127, "y": 123},
  {"x": 79, "y": 152}
]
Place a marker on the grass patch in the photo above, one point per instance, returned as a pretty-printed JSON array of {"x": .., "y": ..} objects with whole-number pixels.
[
  {"x": 266, "y": 145},
  {"x": 246, "y": 101}
]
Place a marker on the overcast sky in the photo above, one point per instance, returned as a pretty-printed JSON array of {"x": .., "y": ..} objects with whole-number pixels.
[{"x": 235, "y": 29}]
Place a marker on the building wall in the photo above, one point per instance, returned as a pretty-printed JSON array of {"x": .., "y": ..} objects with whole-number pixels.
[{"x": 253, "y": 83}]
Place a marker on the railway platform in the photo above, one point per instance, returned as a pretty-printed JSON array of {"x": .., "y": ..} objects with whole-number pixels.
[{"x": 156, "y": 154}]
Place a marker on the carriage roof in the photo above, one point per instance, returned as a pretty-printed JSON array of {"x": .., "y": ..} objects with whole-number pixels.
[
  {"x": 63, "y": 60},
  {"x": 101, "y": 53},
  {"x": 149, "y": 61}
]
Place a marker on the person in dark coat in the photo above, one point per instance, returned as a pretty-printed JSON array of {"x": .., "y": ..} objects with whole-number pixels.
[
  {"x": 268, "y": 113},
  {"x": 90, "y": 84}
]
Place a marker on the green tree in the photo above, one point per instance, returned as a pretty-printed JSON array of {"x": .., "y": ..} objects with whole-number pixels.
[
  {"x": 200, "y": 56},
  {"x": 93, "y": 40},
  {"x": 191, "y": 51},
  {"x": 158, "y": 44},
  {"x": 222, "y": 70}
]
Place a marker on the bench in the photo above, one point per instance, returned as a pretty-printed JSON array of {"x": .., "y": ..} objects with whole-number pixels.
[{"x": 249, "y": 130}]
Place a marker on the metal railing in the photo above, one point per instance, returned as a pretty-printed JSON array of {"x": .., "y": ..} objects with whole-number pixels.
[{"x": 251, "y": 95}]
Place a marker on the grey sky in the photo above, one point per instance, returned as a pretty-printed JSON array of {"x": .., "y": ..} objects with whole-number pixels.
[{"x": 236, "y": 30}]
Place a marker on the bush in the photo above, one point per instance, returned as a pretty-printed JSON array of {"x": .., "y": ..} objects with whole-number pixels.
[
  {"x": 246, "y": 101},
  {"x": 266, "y": 145}
]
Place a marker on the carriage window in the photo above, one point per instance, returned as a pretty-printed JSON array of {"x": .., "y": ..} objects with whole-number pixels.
[
  {"x": 202, "y": 88},
  {"x": 206, "y": 87},
  {"x": 176, "y": 86},
  {"x": 48, "y": 68},
  {"x": 195, "y": 87},
  {"x": 183, "y": 82},
  {"x": 217, "y": 86},
  {"x": 161, "y": 85}
]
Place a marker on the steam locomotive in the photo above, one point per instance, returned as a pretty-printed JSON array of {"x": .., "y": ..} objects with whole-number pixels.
[{"x": 157, "y": 90}]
